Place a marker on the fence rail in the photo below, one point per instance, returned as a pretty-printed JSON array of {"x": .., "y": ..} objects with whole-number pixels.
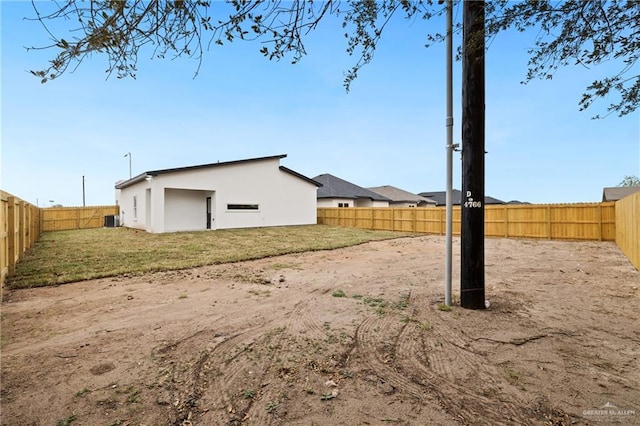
[
  {"x": 590, "y": 221},
  {"x": 628, "y": 227}
]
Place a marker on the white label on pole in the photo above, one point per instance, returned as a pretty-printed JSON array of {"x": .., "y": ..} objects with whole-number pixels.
[{"x": 470, "y": 203}]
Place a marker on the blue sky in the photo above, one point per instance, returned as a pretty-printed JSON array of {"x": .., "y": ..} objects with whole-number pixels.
[{"x": 389, "y": 130}]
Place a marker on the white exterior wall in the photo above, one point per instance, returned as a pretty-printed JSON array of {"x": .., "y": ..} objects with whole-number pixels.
[
  {"x": 333, "y": 202},
  {"x": 360, "y": 202},
  {"x": 124, "y": 198},
  {"x": 177, "y": 200},
  {"x": 363, "y": 202},
  {"x": 367, "y": 202},
  {"x": 184, "y": 209},
  {"x": 295, "y": 202},
  {"x": 402, "y": 204}
]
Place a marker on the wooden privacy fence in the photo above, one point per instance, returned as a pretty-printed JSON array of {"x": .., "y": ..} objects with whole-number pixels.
[
  {"x": 63, "y": 218},
  {"x": 628, "y": 227},
  {"x": 19, "y": 230},
  {"x": 21, "y": 224},
  {"x": 591, "y": 221}
]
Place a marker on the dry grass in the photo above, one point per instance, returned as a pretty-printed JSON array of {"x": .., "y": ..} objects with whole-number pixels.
[{"x": 67, "y": 256}]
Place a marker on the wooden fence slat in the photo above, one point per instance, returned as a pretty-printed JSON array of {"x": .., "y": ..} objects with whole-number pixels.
[{"x": 627, "y": 223}]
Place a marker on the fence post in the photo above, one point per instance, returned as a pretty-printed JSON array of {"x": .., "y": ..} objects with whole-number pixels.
[
  {"x": 548, "y": 222},
  {"x": 415, "y": 220},
  {"x": 599, "y": 222},
  {"x": 33, "y": 224},
  {"x": 21, "y": 206},
  {"x": 373, "y": 219},
  {"x": 27, "y": 226},
  {"x": 11, "y": 235},
  {"x": 393, "y": 219},
  {"x": 506, "y": 221}
]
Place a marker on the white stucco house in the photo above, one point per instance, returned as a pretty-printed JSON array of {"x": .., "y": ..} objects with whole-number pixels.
[{"x": 255, "y": 192}]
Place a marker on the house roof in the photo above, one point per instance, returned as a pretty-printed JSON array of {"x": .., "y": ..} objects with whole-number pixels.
[
  {"x": 142, "y": 176},
  {"x": 617, "y": 192},
  {"x": 298, "y": 175},
  {"x": 398, "y": 195},
  {"x": 441, "y": 197},
  {"x": 333, "y": 187}
]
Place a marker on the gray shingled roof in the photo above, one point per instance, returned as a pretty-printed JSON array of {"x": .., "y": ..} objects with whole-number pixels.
[
  {"x": 441, "y": 197},
  {"x": 333, "y": 187},
  {"x": 618, "y": 192},
  {"x": 398, "y": 195}
]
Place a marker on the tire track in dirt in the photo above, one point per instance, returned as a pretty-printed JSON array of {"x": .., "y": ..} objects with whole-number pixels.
[
  {"x": 298, "y": 327},
  {"x": 261, "y": 407},
  {"x": 427, "y": 364},
  {"x": 302, "y": 322},
  {"x": 237, "y": 368},
  {"x": 188, "y": 380},
  {"x": 368, "y": 334},
  {"x": 451, "y": 372}
]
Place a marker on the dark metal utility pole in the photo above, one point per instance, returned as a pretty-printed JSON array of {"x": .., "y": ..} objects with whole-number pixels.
[
  {"x": 472, "y": 233},
  {"x": 83, "y": 204}
]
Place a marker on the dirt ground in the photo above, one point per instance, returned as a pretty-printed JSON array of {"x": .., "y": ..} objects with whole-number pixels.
[{"x": 353, "y": 336}]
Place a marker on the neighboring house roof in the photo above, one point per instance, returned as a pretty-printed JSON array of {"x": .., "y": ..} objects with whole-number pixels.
[
  {"x": 441, "y": 197},
  {"x": 333, "y": 187},
  {"x": 143, "y": 176},
  {"x": 398, "y": 195},
  {"x": 617, "y": 192}
]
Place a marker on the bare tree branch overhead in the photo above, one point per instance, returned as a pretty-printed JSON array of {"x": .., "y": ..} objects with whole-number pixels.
[{"x": 573, "y": 32}]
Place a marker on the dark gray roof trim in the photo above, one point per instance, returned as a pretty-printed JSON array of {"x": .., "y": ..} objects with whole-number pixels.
[
  {"x": 143, "y": 176},
  {"x": 298, "y": 175},
  {"x": 333, "y": 187}
]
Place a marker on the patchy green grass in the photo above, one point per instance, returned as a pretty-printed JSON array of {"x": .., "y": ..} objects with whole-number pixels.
[
  {"x": 83, "y": 391},
  {"x": 444, "y": 308},
  {"x": 60, "y": 257},
  {"x": 249, "y": 394},
  {"x": 375, "y": 302},
  {"x": 271, "y": 407},
  {"x": 67, "y": 421},
  {"x": 402, "y": 303}
]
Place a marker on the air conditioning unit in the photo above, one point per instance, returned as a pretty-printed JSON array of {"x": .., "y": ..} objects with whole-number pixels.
[{"x": 111, "y": 221}]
